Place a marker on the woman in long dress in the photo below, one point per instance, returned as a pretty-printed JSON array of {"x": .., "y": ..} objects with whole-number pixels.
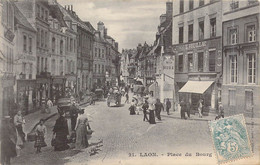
[
  {"x": 81, "y": 131},
  {"x": 60, "y": 133},
  {"x": 41, "y": 132},
  {"x": 151, "y": 102}
]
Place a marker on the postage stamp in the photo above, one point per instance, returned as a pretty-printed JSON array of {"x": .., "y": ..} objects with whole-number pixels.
[{"x": 230, "y": 138}]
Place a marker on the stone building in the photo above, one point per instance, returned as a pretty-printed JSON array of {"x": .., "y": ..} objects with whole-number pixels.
[
  {"x": 7, "y": 76},
  {"x": 241, "y": 72},
  {"x": 197, "y": 46},
  {"x": 25, "y": 62}
]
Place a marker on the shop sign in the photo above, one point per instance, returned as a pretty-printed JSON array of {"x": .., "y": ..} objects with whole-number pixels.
[
  {"x": 195, "y": 45},
  {"x": 9, "y": 35}
]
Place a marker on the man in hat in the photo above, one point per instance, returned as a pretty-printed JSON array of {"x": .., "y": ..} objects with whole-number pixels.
[
  {"x": 168, "y": 106},
  {"x": 18, "y": 122}
]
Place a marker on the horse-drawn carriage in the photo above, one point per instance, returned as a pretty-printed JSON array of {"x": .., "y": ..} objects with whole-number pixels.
[{"x": 114, "y": 96}]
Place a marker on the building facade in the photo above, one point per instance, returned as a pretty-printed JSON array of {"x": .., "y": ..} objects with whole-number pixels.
[
  {"x": 197, "y": 46},
  {"x": 240, "y": 89},
  {"x": 25, "y": 62},
  {"x": 7, "y": 76}
]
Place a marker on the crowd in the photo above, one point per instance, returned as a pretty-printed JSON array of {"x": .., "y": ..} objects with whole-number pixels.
[{"x": 73, "y": 129}]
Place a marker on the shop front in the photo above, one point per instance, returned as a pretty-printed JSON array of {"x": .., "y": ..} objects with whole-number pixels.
[
  {"x": 70, "y": 87},
  {"x": 26, "y": 95},
  {"x": 43, "y": 84},
  {"x": 57, "y": 87},
  {"x": 7, "y": 95}
]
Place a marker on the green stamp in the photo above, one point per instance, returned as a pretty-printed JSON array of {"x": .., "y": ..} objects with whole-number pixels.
[{"x": 230, "y": 138}]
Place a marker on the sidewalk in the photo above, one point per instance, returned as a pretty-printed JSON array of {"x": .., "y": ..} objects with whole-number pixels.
[{"x": 32, "y": 119}]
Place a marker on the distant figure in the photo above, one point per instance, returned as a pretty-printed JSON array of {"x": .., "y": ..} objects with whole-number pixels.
[
  {"x": 151, "y": 102},
  {"x": 139, "y": 103},
  {"x": 49, "y": 106},
  {"x": 41, "y": 133},
  {"x": 168, "y": 106},
  {"x": 8, "y": 141},
  {"x": 145, "y": 108},
  {"x": 60, "y": 132},
  {"x": 132, "y": 110},
  {"x": 73, "y": 115},
  {"x": 188, "y": 109},
  {"x": 183, "y": 109},
  {"x": 220, "y": 111},
  {"x": 158, "y": 108},
  {"x": 200, "y": 106},
  {"x": 127, "y": 98},
  {"x": 81, "y": 131}
]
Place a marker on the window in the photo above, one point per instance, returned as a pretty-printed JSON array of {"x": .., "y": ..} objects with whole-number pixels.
[
  {"x": 251, "y": 33},
  {"x": 71, "y": 44},
  {"x": 42, "y": 38},
  {"x": 95, "y": 52},
  {"x": 53, "y": 66},
  {"x": 233, "y": 36},
  {"x": 38, "y": 37},
  {"x": 53, "y": 45},
  {"x": 42, "y": 13},
  {"x": 99, "y": 52},
  {"x": 38, "y": 64},
  {"x": 46, "y": 15},
  {"x": 212, "y": 61},
  {"x": 249, "y": 100},
  {"x": 61, "y": 67},
  {"x": 251, "y": 68},
  {"x": 213, "y": 27},
  {"x": 46, "y": 65},
  {"x": 232, "y": 97},
  {"x": 252, "y": 2},
  {"x": 180, "y": 65},
  {"x": 191, "y": 4},
  {"x": 233, "y": 68},
  {"x": 42, "y": 69},
  {"x": 201, "y": 30},
  {"x": 30, "y": 71},
  {"x": 24, "y": 43},
  {"x": 201, "y": 2},
  {"x": 181, "y": 6},
  {"x": 190, "y": 33},
  {"x": 181, "y": 34},
  {"x": 46, "y": 40},
  {"x": 103, "y": 69},
  {"x": 102, "y": 53},
  {"x": 38, "y": 11},
  {"x": 74, "y": 45},
  {"x": 200, "y": 61},
  {"x": 190, "y": 62},
  {"x": 234, "y": 4},
  {"x": 30, "y": 44},
  {"x": 98, "y": 68},
  {"x": 24, "y": 68},
  {"x": 61, "y": 47}
]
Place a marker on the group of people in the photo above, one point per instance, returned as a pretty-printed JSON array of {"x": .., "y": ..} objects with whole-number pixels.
[{"x": 149, "y": 105}]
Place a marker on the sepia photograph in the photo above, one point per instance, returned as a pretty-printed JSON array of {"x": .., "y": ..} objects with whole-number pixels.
[{"x": 129, "y": 82}]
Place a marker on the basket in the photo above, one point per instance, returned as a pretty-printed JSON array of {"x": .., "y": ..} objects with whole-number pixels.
[{"x": 31, "y": 136}]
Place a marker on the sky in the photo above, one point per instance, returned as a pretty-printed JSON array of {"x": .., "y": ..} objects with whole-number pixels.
[{"x": 129, "y": 22}]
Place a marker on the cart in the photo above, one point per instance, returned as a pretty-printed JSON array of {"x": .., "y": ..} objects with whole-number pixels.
[{"x": 114, "y": 98}]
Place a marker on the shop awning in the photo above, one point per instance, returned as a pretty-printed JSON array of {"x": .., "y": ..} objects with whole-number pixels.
[{"x": 196, "y": 87}]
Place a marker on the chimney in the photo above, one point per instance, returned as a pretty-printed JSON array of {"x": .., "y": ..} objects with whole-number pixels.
[
  {"x": 71, "y": 7},
  {"x": 168, "y": 9},
  {"x": 101, "y": 27},
  {"x": 65, "y": 7},
  {"x": 105, "y": 32}
]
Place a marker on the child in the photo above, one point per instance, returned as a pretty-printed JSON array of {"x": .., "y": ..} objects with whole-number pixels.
[
  {"x": 41, "y": 133},
  {"x": 127, "y": 98}
]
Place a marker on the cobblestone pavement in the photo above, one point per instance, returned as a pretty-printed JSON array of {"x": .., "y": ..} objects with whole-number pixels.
[{"x": 120, "y": 138}]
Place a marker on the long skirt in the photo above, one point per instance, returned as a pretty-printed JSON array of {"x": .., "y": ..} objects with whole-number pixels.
[
  {"x": 151, "y": 117},
  {"x": 61, "y": 142},
  {"x": 8, "y": 149},
  {"x": 39, "y": 141},
  {"x": 81, "y": 137}
]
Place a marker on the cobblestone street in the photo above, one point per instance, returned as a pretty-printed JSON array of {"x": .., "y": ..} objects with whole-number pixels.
[{"x": 119, "y": 135}]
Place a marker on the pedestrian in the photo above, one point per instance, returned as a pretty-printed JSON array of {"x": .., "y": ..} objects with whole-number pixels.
[
  {"x": 8, "y": 141},
  {"x": 200, "y": 106},
  {"x": 220, "y": 111},
  {"x": 188, "y": 107},
  {"x": 73, "y": 115},
  {"x": 158, "y": 108},
  {"x": 49, "y": 106},
  {"x": 18, "y": 122},
  {"x": 139, "y": 103},
  {"x": 81, "y": 130},
  {"x": 127, "y": 98},
  {"x": 183, "y": 109},
  {"x": 168, "y": 106},
  {"x": 41, "y": 134},
  {"x": 145, "y": 108},
  {"x": 151, "y": 102},
  {"x": 132, "y": 110},
  {"x": 60, "y": 133}
]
